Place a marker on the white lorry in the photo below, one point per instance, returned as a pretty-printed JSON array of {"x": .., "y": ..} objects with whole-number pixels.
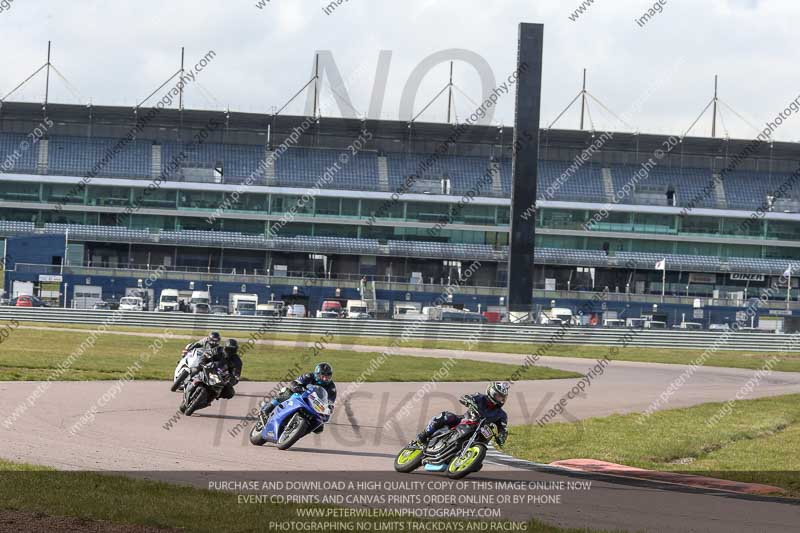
[
  {"x": 556, "y": 316},
  {"x": 407, "y": 311},
  {"x": 243, "y": 304},
  {"x": 199, "y": 297},
  {"x": 271, "y": 308},
  {"x": 296, "y": 311},
  {"x": 168, "y": 300},
  {"x": 357, "y": 309},
  {"x": 131, "y": 303}
]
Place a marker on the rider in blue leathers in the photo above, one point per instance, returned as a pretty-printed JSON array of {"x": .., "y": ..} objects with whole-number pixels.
[{"x": 322, "y": 377}]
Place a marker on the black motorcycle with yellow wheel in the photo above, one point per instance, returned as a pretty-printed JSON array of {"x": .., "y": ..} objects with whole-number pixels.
[{"x": 458, "y": 451}]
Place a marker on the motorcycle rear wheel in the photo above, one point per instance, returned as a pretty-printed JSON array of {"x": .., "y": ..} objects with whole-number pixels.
[
  {"x": 295, "y": 429},
  {"x": 470, "y": 460},
  {"x": 408, "y": 460},
  {"x": 199, "y": 401}
]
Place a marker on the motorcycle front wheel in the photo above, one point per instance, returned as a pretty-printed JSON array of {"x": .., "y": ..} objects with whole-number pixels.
[
  {"x": 179, "y": 381},
  {"x": 256, "y": 437},
  {"x": 408, "y": 460},
  {"x": 198, "y": 400},
  {"x": 293, "y": 432},
  {"x": 468, "y": 461}
]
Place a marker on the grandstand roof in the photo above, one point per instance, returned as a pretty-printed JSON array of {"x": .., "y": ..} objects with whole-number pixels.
[{"x": 390, "y": 135}]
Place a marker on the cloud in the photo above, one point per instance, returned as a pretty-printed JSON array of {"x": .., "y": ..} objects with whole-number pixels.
[{"x": 117, "y": 53}]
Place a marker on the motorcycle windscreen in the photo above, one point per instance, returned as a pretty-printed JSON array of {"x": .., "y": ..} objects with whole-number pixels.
[{"x": 318, "y": 399}]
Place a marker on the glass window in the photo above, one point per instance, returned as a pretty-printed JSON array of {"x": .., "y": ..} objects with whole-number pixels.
[
  {"x": 349, "y": 207},
  {"x": 19, "y": 191},
  {"x": 155, "y": 198},
  {"x": 559, "y": 241},
  {"x": 299, "y": 205},
  {"x": 659, "y": 247},
  {"x": 382, "y": 208},
  {"x": 57, "y": 193},
  {"x": 335, "y": 230},
  {"x": 200, "y": 199},
  {"x": 653, "y": 223},
  {"x": 276, "y": 204},
  {"x": 563, "y": 219},
  {"x": 200, "y": 224},
  {"x": 256, "y": 203},
  {"x": 250, "y": 227},
  {"x": 476, "y": 214},
  {"x": 781, "y": 252},
  {"x": 696, "y": 248},
  {"x": 327, "y": 206},
  {"x": 382, "y": 233},
  {"x": 63, "y": 217},
  {"x": 21, "y": 215},
  {"x": 739, "y": 250},
  {"x": 781, "y": 229},
  {"x": 503, "y": 215},
  {"x": 292, "y": 229},
  {"x": 700, "y": 225},
  {"x": 109, "y": 196},
  {"x": 147, "y": 222},
  {"x": 427, "y": 211},
  {"x": 742, "y": 227}
]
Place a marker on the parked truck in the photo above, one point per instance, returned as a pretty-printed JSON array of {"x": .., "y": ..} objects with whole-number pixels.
[
  {"x": 131, "y": 303},
  {"x": 408, "y": 311},
  {"x": 357, "y": 309},
  {"x": 243, "y": 304},
  {"x": 451, "y": 314},
  {"x": 169, "y": 300},
  {"x": 272, "y": 308},
  {"x": 556, "y": 316},
  {"x": 199, "y": 297}
]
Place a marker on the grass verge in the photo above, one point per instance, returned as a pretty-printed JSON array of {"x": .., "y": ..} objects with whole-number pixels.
[
  {"x": 124, "y": 500},
  {"x": 757, "y": 442},
  {"x": 28, "y": 354},
  {"x": 790, "y": 362}
]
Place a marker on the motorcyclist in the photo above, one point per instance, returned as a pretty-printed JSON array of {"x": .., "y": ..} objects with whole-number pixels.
[
  {"x": 211, "y": 343},
  {"x": 488, "y": 406},
  {"x": 322, "y": 377},
  {"x": 228, "y": 355}
]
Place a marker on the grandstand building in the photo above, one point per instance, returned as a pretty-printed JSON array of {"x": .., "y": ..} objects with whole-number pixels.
[{"x": 301, "y": 208}]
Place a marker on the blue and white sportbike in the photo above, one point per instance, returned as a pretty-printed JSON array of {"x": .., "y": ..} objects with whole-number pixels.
[{"x": 303, "y": 413}]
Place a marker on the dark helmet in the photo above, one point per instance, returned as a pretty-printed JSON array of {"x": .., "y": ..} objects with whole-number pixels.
[
  {"x": 231, "y": 347},
  {"x": 214, "y": 339},
  {"x": 497, "y": 392},
  {"x": 323, "y": 373}
]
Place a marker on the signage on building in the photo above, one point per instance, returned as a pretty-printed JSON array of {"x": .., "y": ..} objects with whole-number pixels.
[
  {"x": 699, "y": 277},
  {"x": 747, "y": 277},
  {"x": 50, "y": 278}
]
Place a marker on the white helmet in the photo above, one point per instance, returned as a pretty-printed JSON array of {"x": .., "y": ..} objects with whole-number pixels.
[{"x": 498, "y": 392}]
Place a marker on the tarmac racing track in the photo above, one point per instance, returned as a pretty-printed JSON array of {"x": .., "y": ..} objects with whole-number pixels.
[{"x": 129, "y": 434}]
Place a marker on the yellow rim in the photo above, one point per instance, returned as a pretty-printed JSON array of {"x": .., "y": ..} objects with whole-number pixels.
[
  {"x": 465, "y": 460},
  {"x": 407, "y": 455}
]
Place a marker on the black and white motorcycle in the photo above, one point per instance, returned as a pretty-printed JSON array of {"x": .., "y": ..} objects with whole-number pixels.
[
  {"x": 191, "y": 359},
  {"x": 204, "y": 386}
]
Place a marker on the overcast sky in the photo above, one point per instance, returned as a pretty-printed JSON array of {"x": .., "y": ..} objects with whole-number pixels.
[{"x": 658, "y": 76}]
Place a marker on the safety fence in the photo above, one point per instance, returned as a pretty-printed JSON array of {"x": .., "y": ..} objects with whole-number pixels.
[{"x": 523, "y": 334}]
